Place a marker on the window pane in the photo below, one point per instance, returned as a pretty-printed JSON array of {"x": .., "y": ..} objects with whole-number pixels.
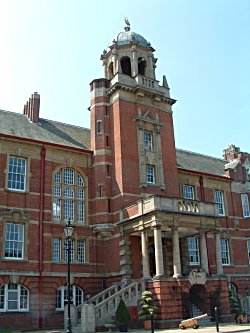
[
  {"x": 57, "y": 209},
  {"x": 69, "y": 210},
  {"x": 80, "y": 211},
  {"x": 245, "y": 205},
  {"x": 188, "y": 192},
  {"x": 80, "y": 181},
  {"x": 17, "y": 173},
  {"x": 2, "y": 291},
  {"x": 58, "y": 177},
  {"x": 56, "y": 249},
  {"x": 71, "y": 255},
  {"x": 225, "y": 252},
  {"x": 81, "y": 251},
  {"x": 150, "y": 174},
  {"x": 69, "y": 176},
  {"x": 14, "y": 240},
  {"x": 23, "y": 298},
  {"x": 68, "y": 197},
  {"x": 12, "y": 297},
  {"x": 193, "y": 250},
  {"x": 57, "y": 191},
  {"x": 148, "y": 141},
  {"x": 218, "y": 198}
]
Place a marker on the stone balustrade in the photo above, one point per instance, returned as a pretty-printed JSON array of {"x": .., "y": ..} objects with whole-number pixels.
[
  {"x": 106, "y": 308},
  {"x": 167, "y": 204}
]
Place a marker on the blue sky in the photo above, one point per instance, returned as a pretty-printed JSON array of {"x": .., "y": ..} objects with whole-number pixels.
[{"x": 54, "y": 47}]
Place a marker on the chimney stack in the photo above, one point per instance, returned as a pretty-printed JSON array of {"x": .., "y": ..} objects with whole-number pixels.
[
  {"x": 32, "y": 108},
  {"x": 231, "y": 152}
]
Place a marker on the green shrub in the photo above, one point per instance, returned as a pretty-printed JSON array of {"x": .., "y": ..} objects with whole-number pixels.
[
  {"x": 147, "y": 309},
  {"x": 122, "y": 313}
]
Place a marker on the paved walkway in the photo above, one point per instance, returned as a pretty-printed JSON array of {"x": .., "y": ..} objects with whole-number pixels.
[{"x": 228, "y": 327}]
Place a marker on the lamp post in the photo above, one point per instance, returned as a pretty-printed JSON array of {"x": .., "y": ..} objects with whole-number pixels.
[{"x": 68, "y": 232}]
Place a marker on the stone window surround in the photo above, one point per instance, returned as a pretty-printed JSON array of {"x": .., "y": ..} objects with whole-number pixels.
[
  {"x": 16, "y": 217},
  {"x": 149, "y": 122}
]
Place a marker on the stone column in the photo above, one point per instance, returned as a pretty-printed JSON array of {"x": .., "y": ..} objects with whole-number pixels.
[
  {"x": 158, "y": 251},
  {"x": 176, "y": 253},
  {"x": 219, "y": 268},
  {"x": 134, "y": 63},
  {"x": 203, "y": 251},
  {"x": 144, "y": 254}
]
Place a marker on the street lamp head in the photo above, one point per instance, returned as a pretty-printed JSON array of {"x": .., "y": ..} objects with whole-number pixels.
[{"x": 68, "y": 229}]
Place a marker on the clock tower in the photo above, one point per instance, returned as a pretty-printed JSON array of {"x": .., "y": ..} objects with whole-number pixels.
[{"x": 132, "y": 132}]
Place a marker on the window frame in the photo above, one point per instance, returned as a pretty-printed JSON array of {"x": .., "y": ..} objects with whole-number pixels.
[
  {"x": 99, "y": 127},
  {"x": 248, "y": 250},
  {"x": 15, "y": 174},
  {"x": 62, "y": 292},
  {"x": 20, "y": 295},
  {"x": 187, "y": 192},
  {"x": 150, "y": 174},
  {"x": 148, "y": 140},
  {"x": 225, "y": 252},
  {"x": 193, "y": 251},
  {"x": 62, "y": 256},
  {"x": 19, "y": 240},
  {"x": 219, "y": 201},
  {"x": 69, "y": 196},
  {"x": 245, "y": 205}
]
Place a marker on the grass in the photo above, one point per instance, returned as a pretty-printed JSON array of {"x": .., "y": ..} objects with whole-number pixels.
[{"x": 6, "y": 331}]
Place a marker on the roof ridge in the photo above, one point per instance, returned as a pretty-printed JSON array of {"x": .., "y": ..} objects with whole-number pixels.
[
  {"x": 191, "y": 152},
  {"x": 50, "y": 120}
]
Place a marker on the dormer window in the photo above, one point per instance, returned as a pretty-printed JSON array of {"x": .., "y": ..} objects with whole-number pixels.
[{"x": 126, "y": 65}]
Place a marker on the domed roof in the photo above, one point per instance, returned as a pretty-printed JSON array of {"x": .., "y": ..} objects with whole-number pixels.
[
  {"x": 126, "y": 37},
  {"x": 129, "y": 36}
]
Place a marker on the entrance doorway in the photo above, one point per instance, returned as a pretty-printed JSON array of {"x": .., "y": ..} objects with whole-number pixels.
[{"x": 197, "y": 298}]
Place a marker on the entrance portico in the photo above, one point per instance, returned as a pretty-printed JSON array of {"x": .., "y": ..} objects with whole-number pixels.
[{"x": 155, "y": 217}]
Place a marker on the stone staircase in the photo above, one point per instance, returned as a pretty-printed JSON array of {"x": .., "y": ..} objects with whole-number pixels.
[
  {"x": 197, "y": 312},
  {"x": 106, "y": 302}
]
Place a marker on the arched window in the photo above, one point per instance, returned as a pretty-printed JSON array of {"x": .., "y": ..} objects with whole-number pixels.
[
  {"x": 126, "y": 65},
  {"x": 62, "y": 296},
  {"x": 14, "y": 297},
  {"x": 141, "y": 66},
  {"x": 68, "y": 195},
  {"x": 232, "y": 287}
]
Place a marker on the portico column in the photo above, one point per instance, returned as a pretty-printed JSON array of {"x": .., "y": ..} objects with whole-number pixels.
[
  {"x": 219, "y": 268},
  {"x": 203, "y": 250},
  {"x": 158, "y": 251},
  {"x": 144, "y": 254},
  {"x": 176, "y": 253}
]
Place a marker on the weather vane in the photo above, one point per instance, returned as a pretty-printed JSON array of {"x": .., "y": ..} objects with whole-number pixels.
[{"x": 127, "y": 28}]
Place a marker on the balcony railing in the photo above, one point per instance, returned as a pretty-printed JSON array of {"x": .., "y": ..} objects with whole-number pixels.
[{"x": 166, "y": 204}]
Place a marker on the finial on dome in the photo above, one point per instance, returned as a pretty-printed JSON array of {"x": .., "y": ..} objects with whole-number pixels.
[{"x": 127, "y": 28}]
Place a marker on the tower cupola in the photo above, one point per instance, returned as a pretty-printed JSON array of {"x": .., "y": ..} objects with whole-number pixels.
[{"x": 129, "y": 62}]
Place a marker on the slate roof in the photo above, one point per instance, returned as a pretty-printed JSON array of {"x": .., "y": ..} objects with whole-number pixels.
[
  {"x": 200, "y": 163},
  {"x": 16, "y": 124}
]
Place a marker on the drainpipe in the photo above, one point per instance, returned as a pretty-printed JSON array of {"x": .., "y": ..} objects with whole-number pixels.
[{"x": 40, "y": 243}]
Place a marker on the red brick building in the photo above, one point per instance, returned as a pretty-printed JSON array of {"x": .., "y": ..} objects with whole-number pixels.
[{"x": 142, "y": 209}]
